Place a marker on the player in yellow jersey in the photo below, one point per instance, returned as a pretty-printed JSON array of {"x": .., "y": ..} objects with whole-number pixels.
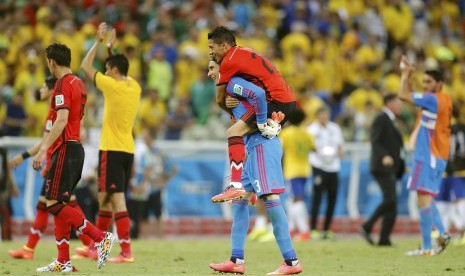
[
  {"x": 116, "y": 150},
  {"x": 297, "y": 144}
]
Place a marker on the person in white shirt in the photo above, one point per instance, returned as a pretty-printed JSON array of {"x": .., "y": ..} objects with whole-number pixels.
[{"x": 325, "y": 162}]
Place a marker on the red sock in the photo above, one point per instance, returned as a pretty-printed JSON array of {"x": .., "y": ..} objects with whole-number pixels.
[
  {"x": 236, "y": 151},
  {"x": 74, "y": 219},
  {"x": 39, "y": 225},
  {"x": 104, "y": 220},
  {"x": 86, "y": 240},
  {"x": 62, "y": 233},
  {"x": 123, "y": 223}
]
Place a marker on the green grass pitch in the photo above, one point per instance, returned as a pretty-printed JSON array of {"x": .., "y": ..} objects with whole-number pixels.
[{"x": 348, "y": 255}]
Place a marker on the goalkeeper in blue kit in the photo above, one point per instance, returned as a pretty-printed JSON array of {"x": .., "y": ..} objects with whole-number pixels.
[{"x": 262, "y": 175}]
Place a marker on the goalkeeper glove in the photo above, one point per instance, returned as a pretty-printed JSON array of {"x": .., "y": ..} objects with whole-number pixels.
[{"x": 269, "y": 129}]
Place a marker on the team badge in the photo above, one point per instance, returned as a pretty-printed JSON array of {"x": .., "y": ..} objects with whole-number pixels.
[
  {"x": 59, "y": 100},
  {"x": 237, "y": 89}
]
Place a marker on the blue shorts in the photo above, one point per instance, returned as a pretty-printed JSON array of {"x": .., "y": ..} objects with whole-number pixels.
[
  {"x": 452, "y": 188},
  {"x": 262, "y": 170},
  {"x": 425, "y": 179},
  {"x": 298, "y": 186}
]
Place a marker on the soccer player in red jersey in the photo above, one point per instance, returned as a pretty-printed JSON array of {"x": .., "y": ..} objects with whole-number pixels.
[
  {"x": 254, "y": 67},
  {"x": 41, "y": 219},
  {"x": 67, "y": 109}
]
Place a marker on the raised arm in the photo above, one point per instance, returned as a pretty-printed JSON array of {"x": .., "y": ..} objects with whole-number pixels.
[
  {"x": 407, "y": 70},
  {"x": 87, "y": 63}
]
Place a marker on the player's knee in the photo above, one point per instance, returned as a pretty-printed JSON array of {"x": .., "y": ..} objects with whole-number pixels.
[
  {"x": 118, "y": 202},
  {"x": 270, "y": 197},
  {"x": 240, "y": 128},
  {"x": 50, "y": 202}
]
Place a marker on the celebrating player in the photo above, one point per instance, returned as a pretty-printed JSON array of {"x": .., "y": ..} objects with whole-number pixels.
[
  {"x": 265, "y": 180},
  {"x": 253, "y": 67},
  {"x": 116, "y": 149},
  {"x": 431, "y": 151}
]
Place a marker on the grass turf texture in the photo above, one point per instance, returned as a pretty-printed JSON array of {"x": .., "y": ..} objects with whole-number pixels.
[{"x": 191, "y": 256}]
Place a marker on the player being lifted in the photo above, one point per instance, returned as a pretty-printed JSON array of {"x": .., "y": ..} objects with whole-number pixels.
[
  {"x": 262, "y": 176},
  {"x": 255, "y": 68}
]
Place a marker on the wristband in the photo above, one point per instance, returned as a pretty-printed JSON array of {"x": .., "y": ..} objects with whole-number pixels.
[{"x": 25, "y": 155}]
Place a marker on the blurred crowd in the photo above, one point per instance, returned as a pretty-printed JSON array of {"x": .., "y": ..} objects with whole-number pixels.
[{"x": 342, "y": 53}]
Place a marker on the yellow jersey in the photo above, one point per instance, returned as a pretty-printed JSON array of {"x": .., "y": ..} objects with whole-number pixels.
[
  {"x": 297, "y": 144},
  {"x": 121, "y": 103}
]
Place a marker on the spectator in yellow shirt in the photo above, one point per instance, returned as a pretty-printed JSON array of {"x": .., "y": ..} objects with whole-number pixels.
[{"x": 297, "y": 144}]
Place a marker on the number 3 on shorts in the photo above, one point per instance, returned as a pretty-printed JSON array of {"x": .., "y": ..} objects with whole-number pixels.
[{"x": 256, "y": 183}]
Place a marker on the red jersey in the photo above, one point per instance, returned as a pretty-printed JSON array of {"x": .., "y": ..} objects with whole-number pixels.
[
  {"x": 253, "y": 67},
  {"x": 69, "y": 93}
]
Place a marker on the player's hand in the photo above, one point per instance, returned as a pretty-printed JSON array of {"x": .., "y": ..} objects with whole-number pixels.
[
  {"x": 231, "y": 102},
  {"x": 15, "y": 162},
  {"x": 388, "y": 161},
  {"x": 278, "y": 117},
  {"x": 269, "y": 129},
  {"x": 406, "y": 66},
  {"x": 111, "y": 39},
  {"x": 101, "y": 31},
  {"x": 38, "y": 160},
  {"x": 272, "y": 127}
]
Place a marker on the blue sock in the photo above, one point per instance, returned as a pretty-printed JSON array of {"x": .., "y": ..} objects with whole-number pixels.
[
  {"x": 240, "y": 212},
  {"x": 278, "y": 219},
  {"x": 437, "y": 219},
  {"x": 426, "y": 226}
]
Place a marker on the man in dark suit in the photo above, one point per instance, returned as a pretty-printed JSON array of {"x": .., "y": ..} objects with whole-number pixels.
[{"x": 386, "y": 165}]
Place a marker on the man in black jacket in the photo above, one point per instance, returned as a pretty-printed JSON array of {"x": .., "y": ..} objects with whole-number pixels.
[{"x": 386, "y": 165}]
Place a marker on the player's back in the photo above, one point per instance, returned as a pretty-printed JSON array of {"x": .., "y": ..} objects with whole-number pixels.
[
  {"x": 69, "y": 93},
  {"x": 78, "y": 102},
  {"x": 122, "y": 99},
  {"x": 440, "y": 146},
  {"x": 433, "y": 140},
  {"x": 256, "y": 68}
]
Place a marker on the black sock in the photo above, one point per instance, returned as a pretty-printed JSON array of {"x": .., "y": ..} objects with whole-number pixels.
[
  {"x": 235, "y": 260},
  {"x": 291, "y": 261}
]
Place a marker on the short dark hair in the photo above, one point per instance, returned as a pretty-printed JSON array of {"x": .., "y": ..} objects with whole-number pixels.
[
  {"x": 297, "y": 117},
  {"x": 435, "y": 74},
  {"x": 222, "y": 34},
  {"x": 60, "y": 53},
  {"x": 50, "y": 82},
  {"x": 119, "y": 61},
  {"x": 389, "y": 98}
]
